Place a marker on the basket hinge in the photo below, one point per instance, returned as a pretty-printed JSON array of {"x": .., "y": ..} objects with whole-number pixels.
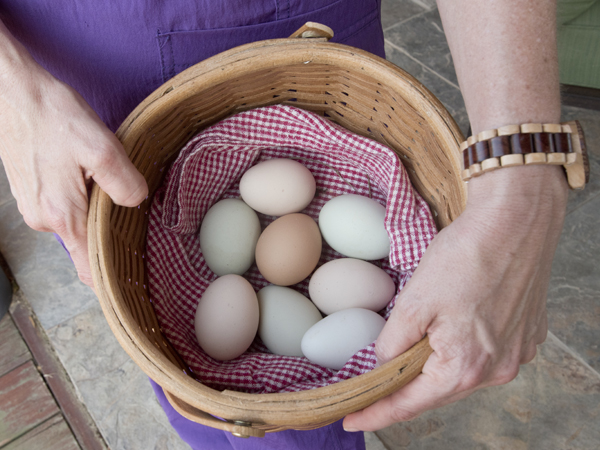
[
  {"x": 313, "y": 30},
  {"x": 240, "y": 423}
]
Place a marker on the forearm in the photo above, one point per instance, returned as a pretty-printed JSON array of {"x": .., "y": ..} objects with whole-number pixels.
[
  {"x": 505, "y": 58},
  {"x": 22, "y": 85},
  {"x": 14, "y": 57},
  {"x": 51, "y": 144}
]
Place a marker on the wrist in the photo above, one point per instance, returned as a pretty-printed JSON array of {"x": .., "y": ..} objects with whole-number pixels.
[
  {"x": 12, "y": 52},
  {"x": 17, "y": 66},
  {"x": 527, "y": 192}
]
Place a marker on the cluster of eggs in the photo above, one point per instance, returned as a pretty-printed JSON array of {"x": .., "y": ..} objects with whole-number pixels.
[{"x": 349, "y": 290}]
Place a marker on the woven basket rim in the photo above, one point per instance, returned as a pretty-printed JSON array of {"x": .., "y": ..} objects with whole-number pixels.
[{"x": 257, "y": 408}]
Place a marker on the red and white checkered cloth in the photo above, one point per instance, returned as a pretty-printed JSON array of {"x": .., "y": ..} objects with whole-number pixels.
[{"x": 208, "y": 169}]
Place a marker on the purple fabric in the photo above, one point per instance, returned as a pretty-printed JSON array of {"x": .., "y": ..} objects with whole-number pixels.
[
  {"x": 115, "y": 53},
  {"x": 332, "y": 437}
]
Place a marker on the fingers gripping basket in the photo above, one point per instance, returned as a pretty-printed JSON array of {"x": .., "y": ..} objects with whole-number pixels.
[{"x": 363, "y": 93}]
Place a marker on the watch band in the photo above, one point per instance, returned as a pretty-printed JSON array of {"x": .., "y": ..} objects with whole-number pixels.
[{"x": 528, "y": 144}]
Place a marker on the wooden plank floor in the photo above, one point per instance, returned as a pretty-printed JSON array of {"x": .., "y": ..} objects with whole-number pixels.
[
  {"x": 39, "y": 409},
  {"x": 30, "y": 417}
]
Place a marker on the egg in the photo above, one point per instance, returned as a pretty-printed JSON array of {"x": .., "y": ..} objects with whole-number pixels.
[
  {"x": 354, "y": 226},
  {"x": 285, "y": 315},
  {"x": 277, "y": 187},
  {"x": 289, "y": 249},
  {"x": 228, "y": 237},
  {"x": 332, "y": 341},
  {"x": 227, "y": 317},
  {"x": 350, "y": 283}
]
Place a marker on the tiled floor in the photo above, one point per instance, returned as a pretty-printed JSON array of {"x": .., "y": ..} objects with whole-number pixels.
[{"x": 554, "y": 403}]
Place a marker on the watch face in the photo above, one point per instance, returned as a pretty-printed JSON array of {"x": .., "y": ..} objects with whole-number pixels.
[{"x": 586, "y": 161}]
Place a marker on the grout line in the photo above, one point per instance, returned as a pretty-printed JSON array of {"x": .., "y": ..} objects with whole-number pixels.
[
  {"x": 379, "y": 443},
  {"x": 400, "y": 49},
  {"x": 7, "y": 201},
  {"x": 2, "y": 203},
  {"x": 420, "y": 3},
  {"x": 437, "y": 27},
  {"x": 409, "y": 18},
  {"x": 593, "y": 197},
  {"x": 532, "y": 394},
  {"x": 574, "y": 354}
]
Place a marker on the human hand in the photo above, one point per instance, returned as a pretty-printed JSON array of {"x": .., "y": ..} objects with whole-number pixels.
[
  {"x": 479, "y": 293},
  {"x": 53, "y": 145}
]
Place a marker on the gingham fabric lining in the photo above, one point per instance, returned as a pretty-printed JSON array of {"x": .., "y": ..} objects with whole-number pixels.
[{"x": 208, "y": 169}]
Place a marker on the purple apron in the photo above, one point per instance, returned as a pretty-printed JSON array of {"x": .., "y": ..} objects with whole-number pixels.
[{"x": 116, "y": 52}]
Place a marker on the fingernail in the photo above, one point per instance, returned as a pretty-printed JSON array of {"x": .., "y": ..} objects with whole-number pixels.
[{"x": 350, "y": 429}]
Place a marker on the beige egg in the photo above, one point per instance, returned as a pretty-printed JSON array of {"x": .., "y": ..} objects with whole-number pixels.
[
  {"x": 227, "y": 316},
  {"x": 350, "y": 283},
  {"x": 278, "y": 186},
  {"x": 289, "y": 249}
]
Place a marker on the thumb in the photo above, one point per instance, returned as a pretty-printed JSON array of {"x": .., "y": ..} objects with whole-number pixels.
[
  {"x": 112, "y": 170},
  {"x": 405, "y": 327}
]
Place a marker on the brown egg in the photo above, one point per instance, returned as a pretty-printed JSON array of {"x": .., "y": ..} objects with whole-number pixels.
[{"x": 289, "y": 249}]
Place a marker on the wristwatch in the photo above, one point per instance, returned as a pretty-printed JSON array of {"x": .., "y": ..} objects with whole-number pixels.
[{"x": 528, "y": 144}]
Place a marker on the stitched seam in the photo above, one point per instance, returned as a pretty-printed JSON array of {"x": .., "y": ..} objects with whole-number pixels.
[
  {"x": 172, "y": 57},
  {"x": 162, "y": 57}
]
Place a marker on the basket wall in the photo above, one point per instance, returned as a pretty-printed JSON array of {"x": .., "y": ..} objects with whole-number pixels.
[{"x": 363, "y": 93}]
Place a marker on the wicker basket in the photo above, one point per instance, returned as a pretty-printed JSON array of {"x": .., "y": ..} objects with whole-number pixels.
[{"x": 356, "y": 89}]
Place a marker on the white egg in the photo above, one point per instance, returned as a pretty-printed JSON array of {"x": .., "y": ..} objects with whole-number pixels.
[
  {"x": 285, "y": 315},
  {"x": 227, "y": 316},
  {"x": 228, "y": 236},
  {"x": 277, "y": 187},
  {"x": 350, "y": 283},
  {"x": 354, "y": 226},
  {"x": 331, "y": 342}
]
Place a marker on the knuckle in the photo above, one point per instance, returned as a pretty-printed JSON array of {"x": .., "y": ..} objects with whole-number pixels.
[
  {"x": 103, "y": 155},
  {"x": 542, "y": 337},
  {"x": 64, "y": 216},
  {"x": 55, "y": 220},
  {"x": 86, "y": 278},
  {"x": 529, "y": 355},
  {"x": 542, "y": 333},
  {"x": 34, "y": 221},
  {"x": 508, "y": 373},
  {"x": 471, "y": 379},
  {"x": 528, "y": 358},
  {"x": 476, "y": 374},
  {"x": 445, "y": 346}
]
